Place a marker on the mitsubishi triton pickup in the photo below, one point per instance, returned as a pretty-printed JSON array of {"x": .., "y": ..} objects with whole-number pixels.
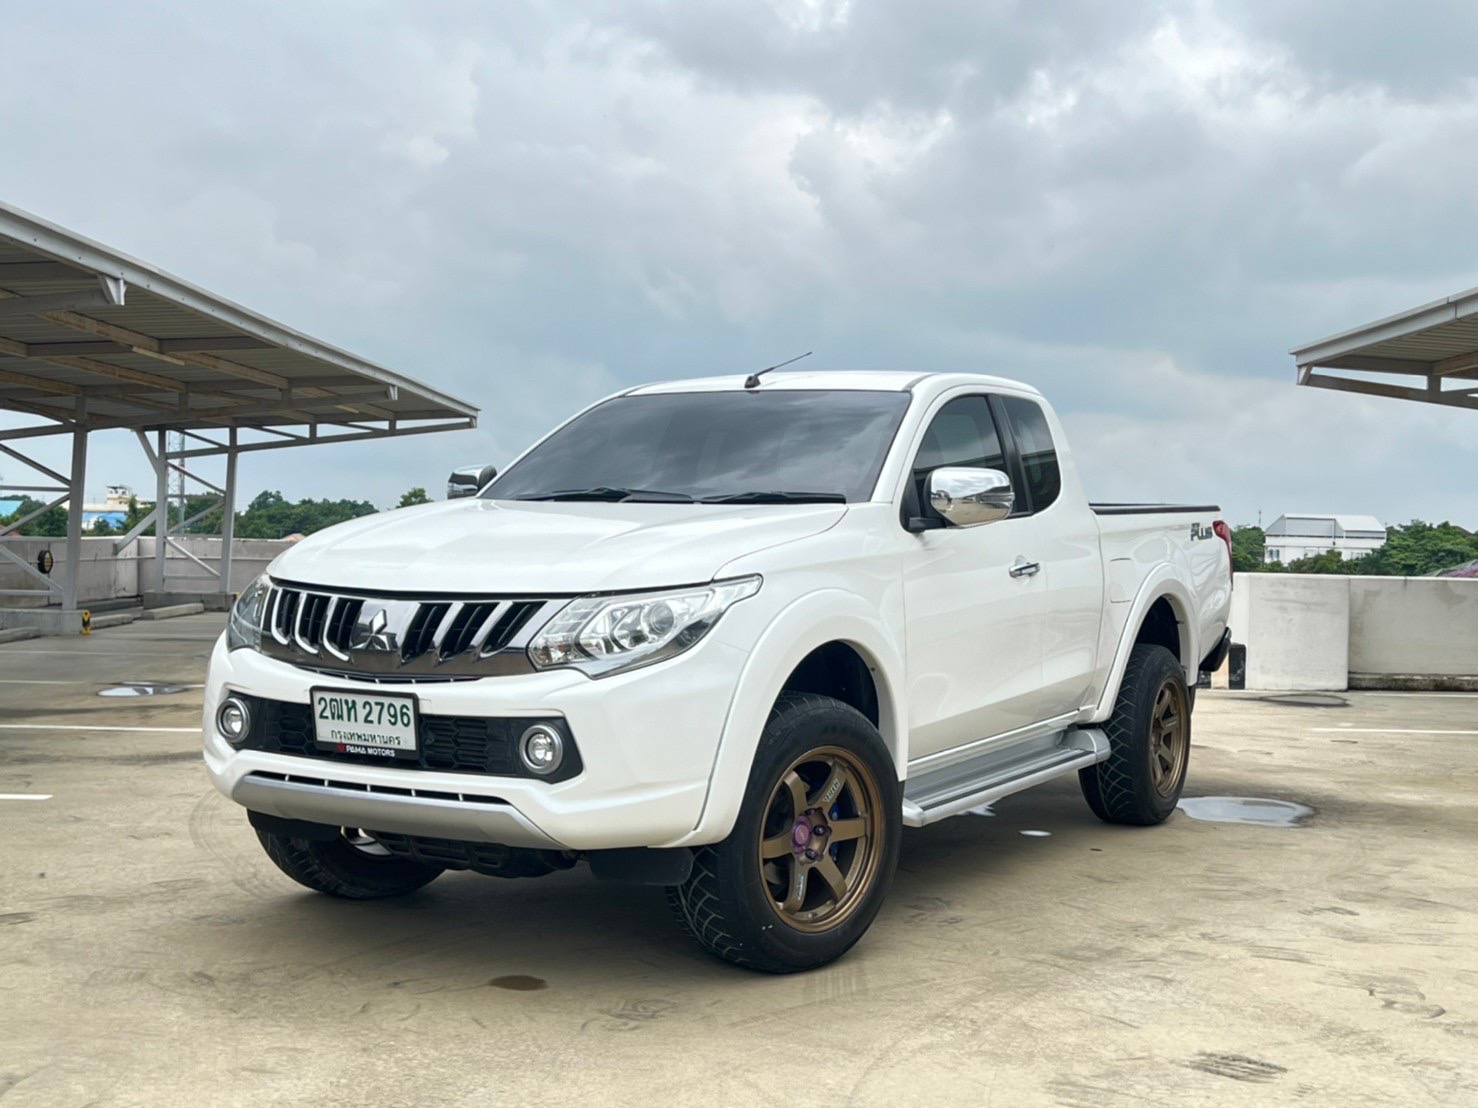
[{"x": 727, "y": 636}]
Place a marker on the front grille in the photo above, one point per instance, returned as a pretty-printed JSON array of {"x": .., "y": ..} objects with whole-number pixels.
[
  {"x": 401, "y": 638},
  {"x": 448, "y": 744}
]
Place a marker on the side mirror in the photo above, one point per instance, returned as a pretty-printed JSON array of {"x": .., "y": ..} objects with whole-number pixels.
[
  {"x": 967, "y": 497},
  {"x": 468, "y": 480}
]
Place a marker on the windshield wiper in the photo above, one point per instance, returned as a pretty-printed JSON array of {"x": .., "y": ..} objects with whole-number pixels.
[
  {"x": 618, "y": 495},
  {"x": 776, "y": 496}
]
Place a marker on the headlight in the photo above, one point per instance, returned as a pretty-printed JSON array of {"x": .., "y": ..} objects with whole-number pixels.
[
  {"x": 603, "y": 634},
  {"x": 244, "y": 626}
]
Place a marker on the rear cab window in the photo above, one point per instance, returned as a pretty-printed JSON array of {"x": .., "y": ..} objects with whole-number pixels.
[{"x": 1038, "y": 453}]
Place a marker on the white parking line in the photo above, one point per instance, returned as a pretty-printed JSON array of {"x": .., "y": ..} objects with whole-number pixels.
[
  {"x": 1432, "y": 692},
  {"x": 82, "y": 653},
  {"x": 1387, "y": 731},
  {"x": 25, "y": 796},
  {"x": 84, "y": 727}
]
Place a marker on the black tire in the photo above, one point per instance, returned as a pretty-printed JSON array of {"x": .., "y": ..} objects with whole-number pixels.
[
  {"x": 341, "y": 868},
  {"x": 727, "y": 903},
  {"x": 1135, "y": 786}
]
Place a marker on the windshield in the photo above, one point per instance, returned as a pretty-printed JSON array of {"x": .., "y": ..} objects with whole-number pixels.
[{"x": 738, "y": 447}]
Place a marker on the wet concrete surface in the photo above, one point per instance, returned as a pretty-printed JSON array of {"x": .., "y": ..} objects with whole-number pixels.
[{"x": 151, "y": 955}]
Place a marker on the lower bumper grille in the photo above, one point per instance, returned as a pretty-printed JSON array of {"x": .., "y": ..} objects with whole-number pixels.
[
  {"x": 492, "y": 859},
  {"x": 448, "y": 744}
]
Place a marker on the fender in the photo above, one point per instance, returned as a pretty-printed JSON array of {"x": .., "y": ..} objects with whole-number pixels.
[
  {"x": 1162, "y": 581},
  {"x": 811, "y": 621}
]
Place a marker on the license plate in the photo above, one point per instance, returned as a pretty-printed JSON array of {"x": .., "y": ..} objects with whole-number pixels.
[{"x": 364, "y": 723}]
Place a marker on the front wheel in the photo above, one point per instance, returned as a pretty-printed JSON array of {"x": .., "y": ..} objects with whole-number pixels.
[
  {"x": 354, "y": 865},
  {"x": 808, "y": 864},
  {"x": 1149, "y": 743}
]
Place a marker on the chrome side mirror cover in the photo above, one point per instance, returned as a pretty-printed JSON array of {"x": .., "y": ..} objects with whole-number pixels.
[
  {"x": 968, "y": 497},
  {"x": 468, "y": 480}
]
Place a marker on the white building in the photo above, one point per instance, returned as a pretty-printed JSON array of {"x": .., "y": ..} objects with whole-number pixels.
[{"x": 1291, "y": 537}]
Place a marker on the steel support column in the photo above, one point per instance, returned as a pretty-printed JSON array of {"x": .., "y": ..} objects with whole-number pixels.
[
  {"x": 228, "y": 515},
  {"x": 161, "y": 506},
  {"x": 76, "y": 492}
]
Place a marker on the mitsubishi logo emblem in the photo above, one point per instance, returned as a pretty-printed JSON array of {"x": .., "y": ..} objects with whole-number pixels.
[{"x": 373, "y": 635}]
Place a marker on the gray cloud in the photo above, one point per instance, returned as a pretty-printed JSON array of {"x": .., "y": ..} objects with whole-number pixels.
[{"x": 1137, "y": 209}]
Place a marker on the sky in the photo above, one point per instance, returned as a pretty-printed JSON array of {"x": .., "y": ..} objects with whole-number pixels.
[{"x": 1137, "y": 208}]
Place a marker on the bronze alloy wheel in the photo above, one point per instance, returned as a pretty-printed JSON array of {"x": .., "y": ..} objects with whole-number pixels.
[
  {"x": 820, "y": 847},
  {"x": 1169, "y": 738}
]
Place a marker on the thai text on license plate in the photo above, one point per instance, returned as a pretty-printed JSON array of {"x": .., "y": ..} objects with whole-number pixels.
[{"x": 364, "y": 723}]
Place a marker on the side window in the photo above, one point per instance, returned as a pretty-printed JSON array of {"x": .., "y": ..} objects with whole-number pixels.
[
  {"x": 1038, "y": 455},
  {"x": 961, "y": 434}
]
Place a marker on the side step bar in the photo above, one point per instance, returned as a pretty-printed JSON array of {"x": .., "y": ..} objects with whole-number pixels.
[{"x": 999, "y": 772}]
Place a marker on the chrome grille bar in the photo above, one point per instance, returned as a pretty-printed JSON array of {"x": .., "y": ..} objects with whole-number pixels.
[{"x": 388, "y": 638}]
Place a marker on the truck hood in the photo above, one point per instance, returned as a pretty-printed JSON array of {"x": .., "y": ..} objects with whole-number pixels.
[{"x": 544, "y": 548}]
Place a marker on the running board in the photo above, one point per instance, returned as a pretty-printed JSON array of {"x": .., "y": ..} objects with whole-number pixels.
[{"x": 999, "y": 772}]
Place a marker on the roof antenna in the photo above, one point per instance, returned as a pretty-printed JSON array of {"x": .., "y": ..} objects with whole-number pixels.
[{"x": 753, "y": 380}]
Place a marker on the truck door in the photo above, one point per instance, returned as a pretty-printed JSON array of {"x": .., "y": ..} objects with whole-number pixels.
[
  {"x": 973, "y": 626},
  {"x": 1068, "y": 551}
]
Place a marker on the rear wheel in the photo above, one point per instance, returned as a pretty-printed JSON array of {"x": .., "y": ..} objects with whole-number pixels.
[
  {"x": 354, "y": 865},
  {"x": 1150, "y": 743},
  {"x": 812, "y": 854}
]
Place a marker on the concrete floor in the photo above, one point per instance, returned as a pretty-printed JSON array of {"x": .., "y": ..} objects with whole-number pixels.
[{"x": 153, "y": 956}]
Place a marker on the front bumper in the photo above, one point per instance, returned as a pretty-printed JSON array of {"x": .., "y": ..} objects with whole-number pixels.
[{"x": 647, "y": 740}]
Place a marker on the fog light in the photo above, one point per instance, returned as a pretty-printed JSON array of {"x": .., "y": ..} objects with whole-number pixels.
[
  {"x": 542, "y": 749},
  {"x": 233, "y": 720}
]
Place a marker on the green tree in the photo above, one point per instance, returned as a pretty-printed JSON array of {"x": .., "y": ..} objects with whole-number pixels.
[
  {"x": 414, "y": 496},
  {"x": 271, "y": 516},
  {"x": 1417, "y": 549},
  {"x": 1331, "y": 561},
  {"x": 1248, "y": 547},
  {"x": 51, "y": 524}
]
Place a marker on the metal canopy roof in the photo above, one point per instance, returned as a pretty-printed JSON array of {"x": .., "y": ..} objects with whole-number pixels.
[
  {"x": 91, "y": 340},
  {"x": 1437, "y": 343},
  {"x": 86, "y": 332}
]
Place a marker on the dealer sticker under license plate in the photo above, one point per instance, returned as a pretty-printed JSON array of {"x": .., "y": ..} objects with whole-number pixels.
[{"x": 357, "y": 723}]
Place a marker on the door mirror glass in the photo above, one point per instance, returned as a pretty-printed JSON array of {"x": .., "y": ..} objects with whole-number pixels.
[
  {"x": 468, "y": 480},
  {"x": 966, "y": 496}
]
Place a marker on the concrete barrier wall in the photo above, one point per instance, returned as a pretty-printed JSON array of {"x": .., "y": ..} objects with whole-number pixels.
[
  {"x": 1314, "y": 631},
  {"x": 1297, "y": 630},
  {"x": 1414, "y": 625},
  {"x": 249, "y": 557},
  {"x": 105, "y": 576},
  {"x": 102, "y": 576}
]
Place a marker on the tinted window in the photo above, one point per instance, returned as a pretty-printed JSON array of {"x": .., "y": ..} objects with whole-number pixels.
[
  {"x": 962, "y": 434},
  {"x": 1038, "y": 455},
  {"x": 706, "y": 444}
]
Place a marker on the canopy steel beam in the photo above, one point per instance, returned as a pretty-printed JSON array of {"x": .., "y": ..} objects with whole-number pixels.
[
  {"x": 109, "y": 294},
  {"x": 383, "y": 433},
  {"x": 1433, "y": 394}
]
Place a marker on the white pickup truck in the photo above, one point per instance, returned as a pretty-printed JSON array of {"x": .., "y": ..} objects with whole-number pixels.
[{"x": 728, "y": 636}]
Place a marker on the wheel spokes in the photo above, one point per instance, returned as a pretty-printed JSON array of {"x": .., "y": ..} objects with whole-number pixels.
[
  {"x": 795, "y": 886},
  {"x": 777, "y": 846},
  {"x": 827, "y": 870},
  {"x": 797, "y": 789},
  {"x": 826, "y": 800},
  {"x": 831, "y": 788}
]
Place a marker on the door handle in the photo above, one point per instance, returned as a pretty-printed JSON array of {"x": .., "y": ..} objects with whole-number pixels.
[{"x": 1026, "y": 569}]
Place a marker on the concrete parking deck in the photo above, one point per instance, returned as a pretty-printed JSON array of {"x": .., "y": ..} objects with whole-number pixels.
[{"x": 153, "y": 956}]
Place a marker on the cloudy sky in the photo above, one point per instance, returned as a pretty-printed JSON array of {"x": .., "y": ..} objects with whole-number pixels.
[{"x": 1137, "y": 208}]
